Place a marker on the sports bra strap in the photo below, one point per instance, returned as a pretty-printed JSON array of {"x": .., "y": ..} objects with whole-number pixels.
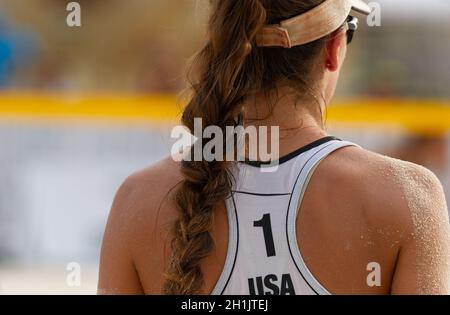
[{"x": 297, "y": 197}]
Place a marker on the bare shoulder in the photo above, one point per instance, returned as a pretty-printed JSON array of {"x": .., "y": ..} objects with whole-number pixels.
[
  {"x": 137, "y": 230},
  {"x": 405, "y": 203},
  {"x": 144, "y": 204},
  {"x": 145, "y": 200},
  {"x": 392, "y": 191},
  {"x": 150, "y": 186},
  {"x": 146, "y": 194}
]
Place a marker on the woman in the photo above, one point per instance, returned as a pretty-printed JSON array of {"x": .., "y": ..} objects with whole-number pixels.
[{"x": 330, "y": 218}]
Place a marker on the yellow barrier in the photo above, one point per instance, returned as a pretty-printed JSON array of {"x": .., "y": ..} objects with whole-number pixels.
[
  {"x": 124, "y": 108},
  {"x": 429, "y": 118},
  {"x": 418, "y": 116}
]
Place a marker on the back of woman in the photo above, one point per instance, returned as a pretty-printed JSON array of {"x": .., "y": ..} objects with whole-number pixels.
[{"x": 319, "y": 215}]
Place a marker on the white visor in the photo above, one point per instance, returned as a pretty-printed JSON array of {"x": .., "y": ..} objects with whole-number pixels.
[{"x": 312, "y": 25}]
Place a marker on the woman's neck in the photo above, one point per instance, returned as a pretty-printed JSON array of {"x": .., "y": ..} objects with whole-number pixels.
[{"x": 300, "y": 120}]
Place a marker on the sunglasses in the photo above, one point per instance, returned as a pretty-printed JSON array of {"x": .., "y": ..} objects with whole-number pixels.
[{"x": 351, "y": 25}]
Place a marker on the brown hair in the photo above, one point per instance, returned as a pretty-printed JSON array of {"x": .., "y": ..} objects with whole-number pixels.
[{"x": 227, "y": 70}]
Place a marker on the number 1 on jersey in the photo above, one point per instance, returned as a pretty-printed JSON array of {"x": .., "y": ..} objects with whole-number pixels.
[{"x": 265, "y": 223}]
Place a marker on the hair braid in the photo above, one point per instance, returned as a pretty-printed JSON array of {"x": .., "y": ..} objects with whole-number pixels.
[{"x": 218, "y": 93}]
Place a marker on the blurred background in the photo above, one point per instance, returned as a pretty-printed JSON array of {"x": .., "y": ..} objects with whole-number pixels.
[{"x": 83, "y": 107}]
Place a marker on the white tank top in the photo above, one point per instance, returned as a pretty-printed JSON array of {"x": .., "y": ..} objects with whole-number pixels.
[{"x": 263, "y": 254}]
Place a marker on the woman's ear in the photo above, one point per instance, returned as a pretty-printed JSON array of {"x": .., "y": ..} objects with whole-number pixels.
[{"x": 334, "y": 47}]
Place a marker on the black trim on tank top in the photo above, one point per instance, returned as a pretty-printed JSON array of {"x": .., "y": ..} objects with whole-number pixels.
[
  {"x": 259, "y": 194},
  {"x": 237, "y": 246},
  {"x": 295, "y": 153},
  {"x": 287, "y": 222}
]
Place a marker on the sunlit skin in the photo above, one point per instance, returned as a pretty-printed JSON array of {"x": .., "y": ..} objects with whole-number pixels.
[{"x": 360, "y": 207}]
